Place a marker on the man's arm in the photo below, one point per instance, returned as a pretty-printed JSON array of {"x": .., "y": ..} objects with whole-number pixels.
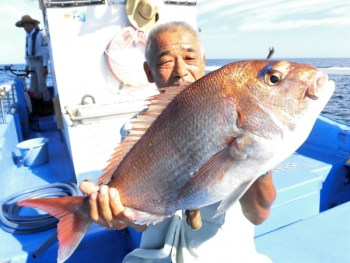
[{"x": 256, "y": 202}]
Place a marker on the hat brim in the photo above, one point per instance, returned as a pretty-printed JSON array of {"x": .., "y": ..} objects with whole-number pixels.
[
  {"x": 20, "y": 23},
  {"x": 138, "y": 21}
]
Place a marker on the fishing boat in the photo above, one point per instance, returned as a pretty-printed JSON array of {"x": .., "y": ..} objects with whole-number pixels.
[{"x": 96, "y": 90}]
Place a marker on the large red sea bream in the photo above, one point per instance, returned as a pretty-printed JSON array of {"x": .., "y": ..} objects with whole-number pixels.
[{"x": 203, "y": 143}]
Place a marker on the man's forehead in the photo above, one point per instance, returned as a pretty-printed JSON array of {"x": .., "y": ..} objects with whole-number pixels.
[
  {"x": 179, "y": 40},
  {"x": 178, "y": 48}
]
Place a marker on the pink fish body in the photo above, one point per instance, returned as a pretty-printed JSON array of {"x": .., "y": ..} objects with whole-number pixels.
[{"x": 206, "y": 142}]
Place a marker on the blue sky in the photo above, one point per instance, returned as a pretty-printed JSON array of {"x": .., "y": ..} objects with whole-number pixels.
[
  {"x": 295, "y": 28},
  {"x": 233, "y": 28}
]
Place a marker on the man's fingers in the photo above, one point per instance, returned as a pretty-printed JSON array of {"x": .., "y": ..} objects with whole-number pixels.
[
  {"x": 103, "y": 203},
  {"x": 115, "y": 203},
  {"x": 88, "y": 187},
  {"x": 91, "y": 189},
  {"x": 120, "y": 219},
  {"x": 95, "y": 211},
  {"x": 93, "y": 207},
  {"x": 106, "y": 208},
  {"x": 194, "y": 219}
]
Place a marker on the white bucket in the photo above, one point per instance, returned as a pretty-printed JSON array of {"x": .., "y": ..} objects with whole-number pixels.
[{"x": 34, "y": 151}]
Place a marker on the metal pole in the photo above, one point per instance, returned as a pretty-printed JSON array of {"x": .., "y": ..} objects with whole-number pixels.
[{"x": 3, "y": 111}]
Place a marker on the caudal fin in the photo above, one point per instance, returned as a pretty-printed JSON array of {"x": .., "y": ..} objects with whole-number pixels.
[{"x": 74, "y": 220}]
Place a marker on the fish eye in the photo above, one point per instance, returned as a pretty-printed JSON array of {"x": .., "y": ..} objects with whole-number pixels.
[{"x": 272, "y": 77}]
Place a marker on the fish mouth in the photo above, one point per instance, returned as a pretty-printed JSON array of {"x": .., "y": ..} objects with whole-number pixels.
[{"x": 312, "y": 91}]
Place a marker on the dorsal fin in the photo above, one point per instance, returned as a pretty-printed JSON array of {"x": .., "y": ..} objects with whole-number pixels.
[{"x": 140, "y": 125}]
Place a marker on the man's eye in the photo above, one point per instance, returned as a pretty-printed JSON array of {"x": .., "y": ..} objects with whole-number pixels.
[
  {"x": 190, "y": 59},
  {"x": 166, "y": 63}
]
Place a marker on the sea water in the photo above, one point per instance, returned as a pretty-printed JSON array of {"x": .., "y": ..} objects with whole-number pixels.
[{"x": 337, "y": 108}]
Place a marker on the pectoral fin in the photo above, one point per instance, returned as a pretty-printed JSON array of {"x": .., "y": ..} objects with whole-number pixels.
[
  {"x": 213, "y": 173},
  {"x": 230, "y": 200},
  {"x": 207, "y": 176}
]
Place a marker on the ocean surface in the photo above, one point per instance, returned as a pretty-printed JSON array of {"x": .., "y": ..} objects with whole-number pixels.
[{"x": 337, "y": 108}]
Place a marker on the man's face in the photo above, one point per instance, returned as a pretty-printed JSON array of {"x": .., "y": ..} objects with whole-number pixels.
[
  {"x": 176, "y": 57},
  {"x": 28, "y": 27}
]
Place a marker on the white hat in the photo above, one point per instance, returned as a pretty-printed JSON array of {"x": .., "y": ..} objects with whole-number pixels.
[{"x": 145, "y": 14}]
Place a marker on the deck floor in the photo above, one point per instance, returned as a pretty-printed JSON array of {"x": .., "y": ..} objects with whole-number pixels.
[
  {"x": 113, "y": 245},
  {"x": 322, "y": 238}
]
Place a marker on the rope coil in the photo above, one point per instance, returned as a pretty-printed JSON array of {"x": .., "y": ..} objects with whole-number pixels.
[{"x": 12, "y": 222}]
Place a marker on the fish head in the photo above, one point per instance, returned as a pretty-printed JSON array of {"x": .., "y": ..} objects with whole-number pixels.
[{"x": 277, "y": 99}]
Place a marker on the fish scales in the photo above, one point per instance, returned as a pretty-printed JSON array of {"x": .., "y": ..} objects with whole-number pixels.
[
  {"x": 177, "y": 134},
  {"x": 209, "y": 144},
  {"x": 189, "y": 132}
]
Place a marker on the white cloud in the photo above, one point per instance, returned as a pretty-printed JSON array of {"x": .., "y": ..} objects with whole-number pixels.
[
  {"x": 12, "y": 12},
  {"x": 340, "y": 11},
  {"x": 247, "y": 16},
  {"x": 294, "y": 24},
  {"x": 12, "y": 45}
]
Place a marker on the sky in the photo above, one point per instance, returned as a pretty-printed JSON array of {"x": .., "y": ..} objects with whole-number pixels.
[
  {"x": 232, "y": 28},
  {"x": 295, "y": 28}
]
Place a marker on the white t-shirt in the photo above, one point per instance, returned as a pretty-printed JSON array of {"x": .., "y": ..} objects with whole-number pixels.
[{"x": 226, "y": 238}]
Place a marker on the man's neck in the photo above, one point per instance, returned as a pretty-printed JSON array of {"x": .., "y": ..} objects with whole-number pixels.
[{"x": 32, "y": 31}]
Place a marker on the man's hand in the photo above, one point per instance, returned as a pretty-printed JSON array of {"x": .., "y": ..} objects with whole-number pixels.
[
  {"x": 45, "y": 71},
  {"x": 256, "y": 202},
  {"x": 27, "y": 69},
  {"x": 106, "y": 208},
  {"x": 194, "y": 219}
]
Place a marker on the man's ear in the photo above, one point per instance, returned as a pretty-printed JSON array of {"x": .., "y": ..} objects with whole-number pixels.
[{"x": 148, "y": 72}]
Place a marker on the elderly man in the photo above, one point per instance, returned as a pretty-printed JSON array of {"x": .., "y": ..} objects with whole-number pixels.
[
  {"x": 174, "y": 54},
  {"x": 37, "y": 57}
]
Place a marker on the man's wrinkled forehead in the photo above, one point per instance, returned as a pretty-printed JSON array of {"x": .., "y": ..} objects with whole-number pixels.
[{"x": 181, "y": 41}]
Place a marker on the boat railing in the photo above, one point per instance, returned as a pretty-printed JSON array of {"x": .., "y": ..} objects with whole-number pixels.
[
  {"x": 7, "y": 99},
  {"x": 8, "y": 91},
  {"x": 83, "y": 114}
]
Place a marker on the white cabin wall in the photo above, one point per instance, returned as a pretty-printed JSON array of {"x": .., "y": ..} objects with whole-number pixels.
[
  {"x": 80, "y": 68},
  {"x": 78, "y": 48}
]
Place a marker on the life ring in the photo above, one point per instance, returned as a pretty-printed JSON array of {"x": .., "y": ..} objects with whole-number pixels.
[{"x": 126, "y": 55}]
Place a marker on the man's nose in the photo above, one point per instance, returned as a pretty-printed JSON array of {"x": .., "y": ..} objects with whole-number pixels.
[{"x": 180, "y": 68}]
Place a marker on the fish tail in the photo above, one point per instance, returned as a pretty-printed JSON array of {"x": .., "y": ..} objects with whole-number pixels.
[{"x": 73, "y": 213}]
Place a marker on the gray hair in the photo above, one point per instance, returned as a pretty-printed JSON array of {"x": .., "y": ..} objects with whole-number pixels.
[{"x": 172, "y": 27}]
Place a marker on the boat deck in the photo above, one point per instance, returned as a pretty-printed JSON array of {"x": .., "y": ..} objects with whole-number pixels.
[
  {"x": 295, "y": 230},
  {"x": 322, "y": 238},
  {"x": 17, "y": 248}
]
